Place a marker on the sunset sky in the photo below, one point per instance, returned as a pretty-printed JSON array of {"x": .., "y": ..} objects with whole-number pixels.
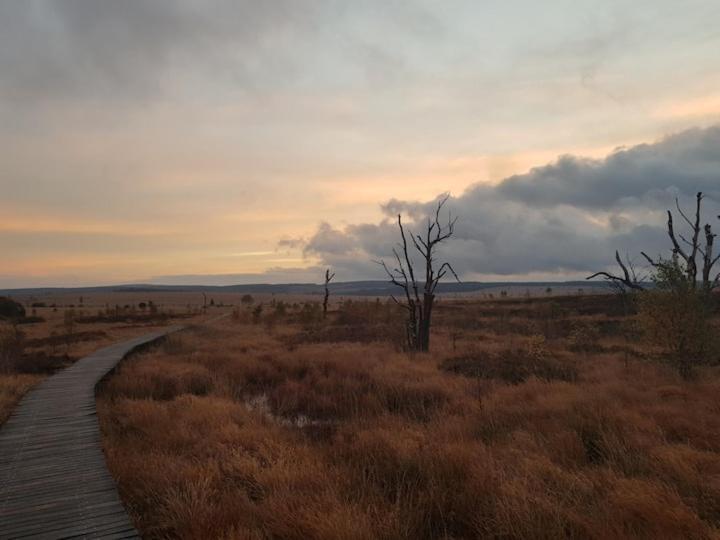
[{"x": 244, "y": 141}]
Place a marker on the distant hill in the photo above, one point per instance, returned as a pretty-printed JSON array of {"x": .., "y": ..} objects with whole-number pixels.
[{"x": 348, "y": 288}]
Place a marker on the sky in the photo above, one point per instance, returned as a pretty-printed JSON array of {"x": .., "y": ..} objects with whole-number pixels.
[{"x": 223, "y": 141}]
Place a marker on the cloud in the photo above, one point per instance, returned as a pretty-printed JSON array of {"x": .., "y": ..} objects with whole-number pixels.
[
  {"x": 566, "y": 218},
  {"x": 329, "y": 240},
  {"x": 687, "y": 162},
  {"x": 55, "y": 49},
  {"x": 224, "y": 125},
  {"x": 290, "y": 243}
]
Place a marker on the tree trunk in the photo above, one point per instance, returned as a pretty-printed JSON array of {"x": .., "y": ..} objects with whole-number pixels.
[
  {"x": 426, "y": 321},
  {"x": 328, "y": 279},
  {"x": 708, "y": 260}
]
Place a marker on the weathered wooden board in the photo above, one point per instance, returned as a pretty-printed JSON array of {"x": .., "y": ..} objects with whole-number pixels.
[{"x": 54, "y": 482}]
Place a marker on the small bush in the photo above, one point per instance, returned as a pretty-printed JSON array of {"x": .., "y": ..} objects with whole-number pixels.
[
  {"x": 677, "y": 319},
  {"x": 10, "y": 309}
]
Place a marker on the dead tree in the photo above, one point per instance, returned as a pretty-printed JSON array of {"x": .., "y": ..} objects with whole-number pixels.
[
  {"x": 420, "y": 296},
  {"x": 680, "y": 320},
  {"x": 328, "y": 279},
  {"x": 623, "y": 287},
  {"x": 628, "y": 280},
  {"x": 694, "y": 249}
]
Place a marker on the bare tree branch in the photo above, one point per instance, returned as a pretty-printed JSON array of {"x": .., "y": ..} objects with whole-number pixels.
[
  {"x": 671, "y": 233},
  {"x": 404, "y": 306},
  {"x": 442, "y": 272},
  {"x": 685, "y": 240},
  {"x": 628, "y": 279},
  {"x": 708, "y": 260},
  {"x": 419, "y": 307},
  {"x": 689, "y": 257},
  {"x": 687, "y": 219},
  {"x": 648, "y": 259}
]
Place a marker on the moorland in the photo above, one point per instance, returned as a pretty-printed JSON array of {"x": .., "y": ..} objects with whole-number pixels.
[{"x": 531, "y": 417}]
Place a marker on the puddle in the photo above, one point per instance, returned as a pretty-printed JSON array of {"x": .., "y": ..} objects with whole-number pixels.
[{"x": 259, "y": 403}]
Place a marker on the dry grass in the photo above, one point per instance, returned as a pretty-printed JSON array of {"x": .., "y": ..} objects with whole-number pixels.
[
  {"x": 30, "y": 352},
  {"x": 233, "y": 431},
  {"x": 12, "y": 388}
]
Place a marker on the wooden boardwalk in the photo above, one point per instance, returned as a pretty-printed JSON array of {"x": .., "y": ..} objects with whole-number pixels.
[{"x": 53, "y": 479}]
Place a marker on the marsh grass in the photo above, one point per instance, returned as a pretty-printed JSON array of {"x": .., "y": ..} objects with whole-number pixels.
[
  {"x": 42, "y": 345},
  {"x": 226, "y": 432}
]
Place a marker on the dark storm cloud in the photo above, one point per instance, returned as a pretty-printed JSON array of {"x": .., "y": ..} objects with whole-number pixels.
[
  {"x": 568, "y": 217},
  {"x": 102, "y": 48},
  {"x": 687, "y": 162}
]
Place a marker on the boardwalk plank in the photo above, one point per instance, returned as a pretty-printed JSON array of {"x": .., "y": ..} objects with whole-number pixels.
[
  {"x": 58, "y": 523},
  {"x": 54, "y": 482}
]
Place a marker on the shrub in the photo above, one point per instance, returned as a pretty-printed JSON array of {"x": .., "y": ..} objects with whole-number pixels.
[
  {"x": 10, "y": 309},
  {"x": 677, "y": 318}
]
